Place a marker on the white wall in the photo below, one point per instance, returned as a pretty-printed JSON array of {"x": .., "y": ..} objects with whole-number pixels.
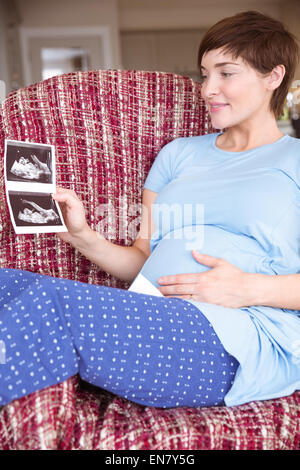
[
  {"x": 44, "y": 13},
  {"x": 4, "y": 72},
  {"x": 146, "y": 15},
  {"x": 174, "y": 14},
  {"x": 290, "y": 16},
  {"x": 141, "y": 15}
]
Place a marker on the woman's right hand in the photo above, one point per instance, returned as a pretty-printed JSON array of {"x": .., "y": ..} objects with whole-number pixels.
[{"x": 73, "y": 213}]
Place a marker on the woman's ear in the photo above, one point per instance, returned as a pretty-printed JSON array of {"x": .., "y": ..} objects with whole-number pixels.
[{"x": 275, "y": 77}]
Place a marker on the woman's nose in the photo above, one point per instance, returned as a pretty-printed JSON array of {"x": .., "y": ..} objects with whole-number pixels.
[{"x": 210, "y": 87}]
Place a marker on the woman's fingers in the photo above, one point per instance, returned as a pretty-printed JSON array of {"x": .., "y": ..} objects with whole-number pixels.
[
  {"x": 72, "y": 210},
  {"x": 60, "y": 190},
  {"x": 67, "y": 197},
  {"x": 179, "y": 289}
]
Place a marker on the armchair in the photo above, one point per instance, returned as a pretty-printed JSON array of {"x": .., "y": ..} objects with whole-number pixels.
[{"x": 107, "y": 128}]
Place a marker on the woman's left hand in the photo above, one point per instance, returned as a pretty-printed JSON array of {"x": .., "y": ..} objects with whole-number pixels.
[{"x": 223, "y": 284}]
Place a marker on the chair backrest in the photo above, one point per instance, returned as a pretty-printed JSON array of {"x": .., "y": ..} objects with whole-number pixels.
[{"x": 107, "y": 128}]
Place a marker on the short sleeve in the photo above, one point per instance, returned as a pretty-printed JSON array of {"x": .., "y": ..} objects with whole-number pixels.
[{"x": 161, "y": 172}]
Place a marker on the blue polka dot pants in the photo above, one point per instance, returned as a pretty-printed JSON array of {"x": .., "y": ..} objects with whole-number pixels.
[{"x": 154, "y": 351}]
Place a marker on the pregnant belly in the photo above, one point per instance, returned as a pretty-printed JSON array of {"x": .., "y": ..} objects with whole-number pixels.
[{"x": 173, "y": 254}]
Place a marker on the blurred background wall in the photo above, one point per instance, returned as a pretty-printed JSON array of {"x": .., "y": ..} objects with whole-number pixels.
[{"x": 40, "y": 38}]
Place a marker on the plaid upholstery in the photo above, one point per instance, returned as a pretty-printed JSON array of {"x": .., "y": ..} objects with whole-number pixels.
[
  {"x": 107, "y": 127},
  {"x": 73, "y": 415}
]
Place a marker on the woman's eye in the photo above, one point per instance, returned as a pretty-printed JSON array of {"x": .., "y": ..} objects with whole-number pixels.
[{"x": 224, "y": 74}]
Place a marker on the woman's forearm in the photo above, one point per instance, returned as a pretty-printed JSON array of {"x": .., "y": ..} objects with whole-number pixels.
[
  {"x": 280, "y": 291},
  {"x": 123, "y": 262}
]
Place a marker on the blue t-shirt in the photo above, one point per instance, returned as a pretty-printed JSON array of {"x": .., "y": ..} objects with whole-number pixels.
[{"x": 243, "y": 207}]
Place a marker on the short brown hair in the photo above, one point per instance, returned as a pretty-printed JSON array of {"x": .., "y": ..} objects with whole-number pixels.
[{"x": 262, "y": 42}]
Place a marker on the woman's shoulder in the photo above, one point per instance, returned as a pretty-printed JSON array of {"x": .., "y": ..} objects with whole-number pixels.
[
  {"x": 291, "y": 147},
  {"x": 287, "y": 156}
]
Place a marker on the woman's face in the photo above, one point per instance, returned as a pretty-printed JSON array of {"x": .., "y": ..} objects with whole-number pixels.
[{"x": 238, "y": 89}]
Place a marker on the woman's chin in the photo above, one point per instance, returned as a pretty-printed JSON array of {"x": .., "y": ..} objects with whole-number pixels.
[
  {"x": 219, "y": 126},
  {"x": 218, "y": 123}
]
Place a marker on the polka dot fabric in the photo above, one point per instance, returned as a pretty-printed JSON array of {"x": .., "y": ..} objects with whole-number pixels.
[{"x": 154, "y": 351}]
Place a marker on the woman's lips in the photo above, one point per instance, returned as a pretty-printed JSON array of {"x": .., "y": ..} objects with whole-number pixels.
[{"x": 216, "y": 108}]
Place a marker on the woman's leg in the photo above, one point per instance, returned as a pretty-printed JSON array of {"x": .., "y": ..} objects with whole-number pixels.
[
  {"x": 39, "y": 349},
  {"x": 151, "y": 350}
]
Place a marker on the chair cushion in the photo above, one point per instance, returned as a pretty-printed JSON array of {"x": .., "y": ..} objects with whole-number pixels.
[{"x": 73, "y": 415}]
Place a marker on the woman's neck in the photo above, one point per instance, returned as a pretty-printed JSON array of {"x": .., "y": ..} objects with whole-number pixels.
[{"x": 237, "y": 140}]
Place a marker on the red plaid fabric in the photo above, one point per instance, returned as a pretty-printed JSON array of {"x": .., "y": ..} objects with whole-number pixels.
[
  {"x": 73, "y": 415},
  {"x": 107, "y": 128}
]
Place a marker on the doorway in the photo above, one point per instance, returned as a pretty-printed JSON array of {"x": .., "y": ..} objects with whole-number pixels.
[{"x": 53, "y": 51}]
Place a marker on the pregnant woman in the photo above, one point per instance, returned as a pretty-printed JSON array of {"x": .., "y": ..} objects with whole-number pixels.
[{"x": 225, "y": 330}]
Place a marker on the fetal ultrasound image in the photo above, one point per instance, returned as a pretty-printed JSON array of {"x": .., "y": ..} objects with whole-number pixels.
[
  {"x": 28, "y": 163},
  {"x": 34, "y": 209}
]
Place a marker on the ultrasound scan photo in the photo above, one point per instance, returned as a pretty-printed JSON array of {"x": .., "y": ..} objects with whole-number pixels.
[{"x": 30, "y": 180}]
